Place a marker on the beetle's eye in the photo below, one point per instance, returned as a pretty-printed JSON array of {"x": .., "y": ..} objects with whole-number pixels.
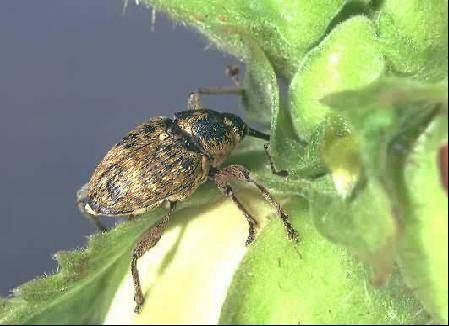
[{"x": 189, "y": 144}]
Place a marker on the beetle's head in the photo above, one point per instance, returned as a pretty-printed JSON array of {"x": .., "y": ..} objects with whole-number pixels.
[
  {"x": 236, "y": 127},
  {"x": 217, "y": 133}
]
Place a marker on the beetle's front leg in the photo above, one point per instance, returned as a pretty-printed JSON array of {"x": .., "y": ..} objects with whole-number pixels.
[
  {"x": 222, "y": 182},
  {"x": 147, "y": 241},
  {"x": 281, "y": 173},
  {"x": 240, "y": 173}
]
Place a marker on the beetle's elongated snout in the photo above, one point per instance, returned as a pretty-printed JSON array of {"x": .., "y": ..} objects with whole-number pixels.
[{"x": 257, "y": 134}]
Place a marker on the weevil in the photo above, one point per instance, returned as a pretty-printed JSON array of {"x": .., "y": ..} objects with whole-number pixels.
[{"x": 165, "y": 160}]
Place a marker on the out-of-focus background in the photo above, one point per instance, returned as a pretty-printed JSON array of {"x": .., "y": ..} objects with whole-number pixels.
[{"x": 76, "y": 76}]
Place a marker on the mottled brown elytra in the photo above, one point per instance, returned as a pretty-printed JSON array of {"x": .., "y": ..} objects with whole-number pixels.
[{"x": 164, "y": 161}]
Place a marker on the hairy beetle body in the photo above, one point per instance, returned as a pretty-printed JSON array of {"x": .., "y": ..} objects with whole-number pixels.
[
  {"x": 162, "y": 159},
  {"x": 166, "y": 160}
]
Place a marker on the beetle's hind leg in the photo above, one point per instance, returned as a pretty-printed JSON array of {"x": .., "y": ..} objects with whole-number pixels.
[
  {"x": 81, "y": 196},
  {"x": 222, "y": 182},
  {"x": 147, "y": 241},
  {"x": 240, "y": 173}
]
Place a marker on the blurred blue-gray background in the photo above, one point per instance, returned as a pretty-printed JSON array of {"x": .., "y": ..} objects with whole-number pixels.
[{"x": 75, "y": 76}]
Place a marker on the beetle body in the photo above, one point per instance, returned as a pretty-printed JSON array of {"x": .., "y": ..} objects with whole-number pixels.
[
  {"x": 166, "y": 159},
  {"x": 162, "y": 159}
]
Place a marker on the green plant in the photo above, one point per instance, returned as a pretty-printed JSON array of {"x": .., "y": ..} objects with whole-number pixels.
[{"x": 367, "y": 92}]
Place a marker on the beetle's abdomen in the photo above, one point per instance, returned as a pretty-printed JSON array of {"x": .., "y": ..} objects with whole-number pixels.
[{"x": 147, "y": 167}]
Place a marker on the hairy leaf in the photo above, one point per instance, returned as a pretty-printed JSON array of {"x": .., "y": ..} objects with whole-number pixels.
[
  {"x": 363, "y": 179},
  {"x": 185, "y": 279},
  {"x": 424, "y": 247},
  {"x": 262, "y": 97},
  {"x": 400, "y": 153},
  {"x": 414, "y": 37},
  {"x": 338, "y": 63},
  {"x": 284, "y": 30},
  {"x": 389, "y": 91},
  {"x": 93, "y": 283},
  {"x": 315, "y": 282}
]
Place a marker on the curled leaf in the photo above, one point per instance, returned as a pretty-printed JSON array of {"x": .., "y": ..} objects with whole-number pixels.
[
  {"x": 413, "y": 34},
  {"x": 338, "y": 63}
]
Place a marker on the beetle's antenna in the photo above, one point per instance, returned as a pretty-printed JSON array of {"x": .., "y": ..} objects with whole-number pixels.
[{"x": 257, "y": 134}]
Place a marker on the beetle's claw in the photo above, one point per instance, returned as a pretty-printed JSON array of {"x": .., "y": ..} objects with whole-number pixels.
[
  {"x": 137, "y": 309},
  {"x": 249, "y": 241},
  {"x": 138, "y": 299},
  {"x": 293, "y": 235}
]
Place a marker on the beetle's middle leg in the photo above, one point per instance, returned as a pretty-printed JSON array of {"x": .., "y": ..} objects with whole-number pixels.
[
  {"x": 240, "y": 173},
  {"x": 147, "y": 241}
]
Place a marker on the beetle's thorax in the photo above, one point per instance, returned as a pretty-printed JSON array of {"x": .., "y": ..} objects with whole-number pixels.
[{"x": 215, "y": 133}]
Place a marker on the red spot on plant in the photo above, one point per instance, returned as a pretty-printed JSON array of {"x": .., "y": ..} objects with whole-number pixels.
[{"x": 443, "y": 165}]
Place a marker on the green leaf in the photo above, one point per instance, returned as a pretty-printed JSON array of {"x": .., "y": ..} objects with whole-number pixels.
[
  {"x": 356, "y": 212},
  {"x": 339, "y": 150},
  {"x": 262, "y": 99},
  {"x": 87, "y": 280},
  {"x": 315, "y": 282},
  {"x": 284, "y": 30},
  {"x": 363, "y": 224},
  {"x": 424, "y": 247},
  {"x": 378, "y": 143},
  {"x": 414, "y": 37},
  {"x": 399, "y": 150},
  {"x": 82, "y": 290},
  {"x": 389, "y": 91},
  {"x": 366, "y": 211},
  {"x": 187, "y": 276},
  {"x": 388, "y": 116},
  {"x": 348, "y": 58},
  {"x": 93, "y": 283}
]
